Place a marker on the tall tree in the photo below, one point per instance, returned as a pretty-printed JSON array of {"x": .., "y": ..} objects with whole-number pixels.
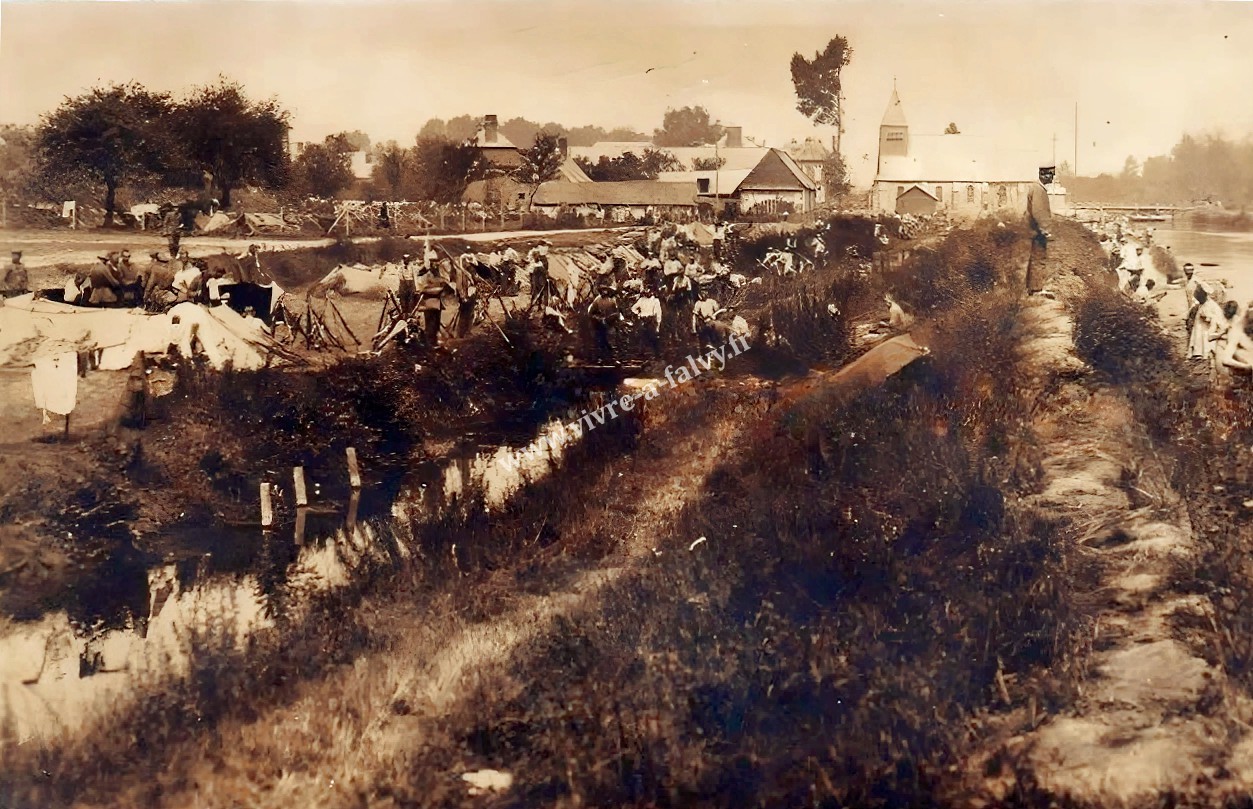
[
  {"x": 835, "y": 176},
  {"x": 324, "y": 169},
  {"x": 238, "y": 140},
  {"x": 819, "y": 92},
  {"x": 392, "y": 168},
  {"x": 540, "y": 163},
  {"x": 442, "y": 169},
  {"x": 687, "y": 126},
  {"x": 630, "y": 166},
  {"x": 112, "y": 135}
]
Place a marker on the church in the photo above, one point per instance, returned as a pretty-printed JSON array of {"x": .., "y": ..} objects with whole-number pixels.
[{"x": 959, "y": 174}]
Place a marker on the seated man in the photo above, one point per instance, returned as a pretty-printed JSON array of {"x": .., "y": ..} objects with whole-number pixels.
[
  {"x": 188, "y": 283},
  {"x": 104, "y": 283},
  {"x": 15, "y": 280},
  {"x": 158, "y": 284}
]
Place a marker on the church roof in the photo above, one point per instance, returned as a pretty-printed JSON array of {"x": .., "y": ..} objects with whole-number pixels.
[
  {"x": 895, "y": 114},
  {"x": 958, "y": 158}
]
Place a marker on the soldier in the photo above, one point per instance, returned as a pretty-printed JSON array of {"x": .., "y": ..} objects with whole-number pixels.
[
  {"x": 431, "y": 291},
  {"x": 408, "y": 291},
  {"x": 605, "y": 316}
]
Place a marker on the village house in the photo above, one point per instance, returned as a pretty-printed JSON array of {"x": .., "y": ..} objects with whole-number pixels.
[
  {"x": 960, "y": 174},
  {"x": 756, "y": 179},
  {"x": 811, "y": 156},
  {"x": 619, "y": 201},
  {"x": 503, "y": 158}
]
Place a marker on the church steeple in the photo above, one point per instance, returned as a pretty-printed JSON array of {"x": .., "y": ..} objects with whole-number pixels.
[
  {"x": 893, "y": 130},
  {"x": 895, "y": 114}
]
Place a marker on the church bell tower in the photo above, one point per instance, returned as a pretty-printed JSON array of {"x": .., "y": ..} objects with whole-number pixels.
[{"x": 893, "y": 131}]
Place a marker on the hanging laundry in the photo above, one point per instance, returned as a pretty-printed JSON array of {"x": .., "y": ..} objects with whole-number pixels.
[{"x": 55, "y": 383}]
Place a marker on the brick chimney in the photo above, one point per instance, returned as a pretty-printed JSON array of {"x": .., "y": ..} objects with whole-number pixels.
[
  {"x": 735, "y": 136},
  {"x": 489, "y": 129}
]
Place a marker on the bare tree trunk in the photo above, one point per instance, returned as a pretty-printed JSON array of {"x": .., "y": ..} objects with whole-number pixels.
[
  {"x": 226, "y": 197},
  {"x": 110, "y": 200}
]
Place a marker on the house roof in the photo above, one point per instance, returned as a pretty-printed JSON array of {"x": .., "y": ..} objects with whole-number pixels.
[
  {"x": 571, "y": 173},
  {"x": 894, "y": 115},
  {"x": 916, "y": 187},
  {"x": 740, "y": 157},
  {"x": 501, "y": 141},
  {"x": 805, "y": 179},
  {"x": 726, "y": 182},
  {"x": 809, "y": 150},
  {"x": 632, "y": 192},
  {"x": 958, "y": 158}
]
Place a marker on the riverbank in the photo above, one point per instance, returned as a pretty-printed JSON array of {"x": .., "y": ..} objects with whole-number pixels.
[{"x": 688, "y": 533}]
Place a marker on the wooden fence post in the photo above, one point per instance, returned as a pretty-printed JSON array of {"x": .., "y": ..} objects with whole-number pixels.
[
  {"x": 267, "y": 507},
  {"x": 300, "y": 525},
  {"x": 354, "y": 473},
  {"x": 298, "y": 477}
]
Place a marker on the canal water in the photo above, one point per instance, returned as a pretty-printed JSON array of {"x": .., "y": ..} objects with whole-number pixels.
[
  {"x": 1231, "y": 253},
  {"x": 133, "y": 625}
]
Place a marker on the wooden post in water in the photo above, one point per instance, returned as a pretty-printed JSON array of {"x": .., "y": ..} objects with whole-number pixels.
[
  {"x": 267, "y": 507},
  {"x": 354, "y": 501},
  {"x": 354, "y": 474},
  {"x": 298, "y": 477}
]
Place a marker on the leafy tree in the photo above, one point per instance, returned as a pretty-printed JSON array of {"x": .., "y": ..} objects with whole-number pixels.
[
  {"x": 630, "y": 166},
  {"x": 239, "y": 140},
  {"x": 688, "y": 126},
  {"x": 18, "y": 148},
  {"x": 952, "y": 129},
  {"x": 456, "y": 129},
  {"x": 819, "y": 92},
  {"x": 358, "y": 140},
  {"x": 393, "y": 166},
  {"x": 835, "y": 176},
  {"x": 708, "y": 163},
  {"x": 442, "y": 169},
  {"x": 112, "y": 135},
  {"x": 540, "y": 163},
  {"x": 324, "y": 169},
  {"x": 1131, "y": 167}
]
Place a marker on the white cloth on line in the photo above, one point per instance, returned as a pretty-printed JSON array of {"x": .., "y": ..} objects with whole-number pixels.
[{"x": 55, "y": 383}]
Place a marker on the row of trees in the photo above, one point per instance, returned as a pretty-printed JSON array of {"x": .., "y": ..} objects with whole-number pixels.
[
  {"x": 1200, "y": 168},
  {"x": 215, "y": 138}
]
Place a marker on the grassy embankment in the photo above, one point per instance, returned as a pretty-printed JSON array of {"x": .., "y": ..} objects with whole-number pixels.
[
  {"x": 551, "y": 527},
  {"x": 867, "y": 585}
]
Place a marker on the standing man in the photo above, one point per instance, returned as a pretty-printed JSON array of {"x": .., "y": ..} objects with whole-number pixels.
[
  {"x": 703, "y": 313},
  {"x": 605, "y": 315},
  {"x": 1040, "y": 219},
  {"x": 431, "y": 291},
  {"x": 407, "y": 294},
  {"x": 647, "y": 310},
  {"x": 720, "y": 235},
  {"x": 16, "y": 281}
]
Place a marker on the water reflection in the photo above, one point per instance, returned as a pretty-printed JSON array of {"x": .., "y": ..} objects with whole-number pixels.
[{"x": 130, "y": 622}]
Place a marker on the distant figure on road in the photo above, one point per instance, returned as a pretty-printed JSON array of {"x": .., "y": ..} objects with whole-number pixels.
[{"x": 1040, "y": 219}]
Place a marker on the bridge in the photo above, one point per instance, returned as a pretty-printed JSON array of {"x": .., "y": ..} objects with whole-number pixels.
[{"x": 1143, "y": 213}]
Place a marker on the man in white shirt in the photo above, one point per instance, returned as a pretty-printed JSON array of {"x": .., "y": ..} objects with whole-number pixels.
[
  {"x": 704, "y": 313},
  {"x": 647, "y": 309}
]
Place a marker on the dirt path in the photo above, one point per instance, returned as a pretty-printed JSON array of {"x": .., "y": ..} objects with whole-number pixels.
[
  {"x": 347, "y": 732},
  {"x": 1139, "y": 726}
]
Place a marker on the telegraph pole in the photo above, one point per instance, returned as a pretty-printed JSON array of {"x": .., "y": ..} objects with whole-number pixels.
[{"x": 1076, "y": 167}]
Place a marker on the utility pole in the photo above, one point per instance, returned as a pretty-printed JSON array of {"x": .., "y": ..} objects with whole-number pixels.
[
  {"x": 1076, "y": 168},
  {"x": 1054, "y": 148}
]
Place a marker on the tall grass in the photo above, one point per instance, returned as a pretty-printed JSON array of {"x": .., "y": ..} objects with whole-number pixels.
[{"x": 865, "y": 585}]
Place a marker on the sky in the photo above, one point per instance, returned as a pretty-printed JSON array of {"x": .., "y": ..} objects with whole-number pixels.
[{"x": 1141, "y": 73}]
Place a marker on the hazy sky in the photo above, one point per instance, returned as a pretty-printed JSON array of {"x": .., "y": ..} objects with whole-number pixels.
[{"x": 1141, "y": 72}]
